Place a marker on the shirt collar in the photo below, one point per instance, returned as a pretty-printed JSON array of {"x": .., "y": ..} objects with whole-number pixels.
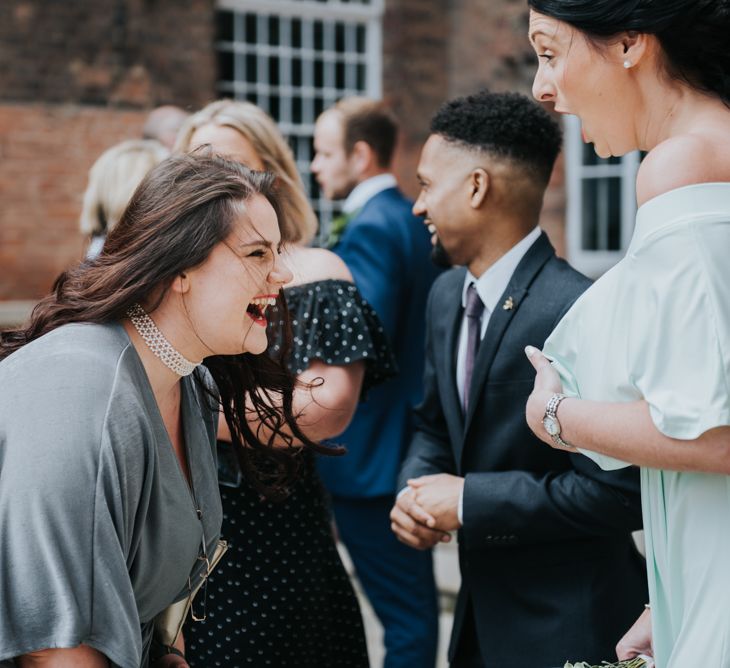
[
  {"x": 494, "y": 281},
  {"x": 365, "y": 191}
]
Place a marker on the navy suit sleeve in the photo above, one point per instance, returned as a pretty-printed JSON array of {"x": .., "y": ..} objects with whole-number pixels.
[
  {"x": 430, "y": 449},
  {"x": 520, "y": 507},
  {"x": 375, "y": 255}
]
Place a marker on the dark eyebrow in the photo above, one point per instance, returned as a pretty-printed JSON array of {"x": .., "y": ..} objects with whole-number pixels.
[
  {"x": 536, "y": 33},
  {"x": 260, "y": 242}
]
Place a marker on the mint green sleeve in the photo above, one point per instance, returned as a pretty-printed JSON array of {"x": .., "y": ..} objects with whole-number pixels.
[{"x": 679, "y": 352}]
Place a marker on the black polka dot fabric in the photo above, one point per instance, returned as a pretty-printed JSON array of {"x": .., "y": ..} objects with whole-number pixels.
[
  {"x": 281, "y": 596},
  {"x": 332, "y": 322}
]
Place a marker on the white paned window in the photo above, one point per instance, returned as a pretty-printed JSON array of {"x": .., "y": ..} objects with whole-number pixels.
[
  {"x": 295, "y": 58},
  {"x": 601, "y": 203}
]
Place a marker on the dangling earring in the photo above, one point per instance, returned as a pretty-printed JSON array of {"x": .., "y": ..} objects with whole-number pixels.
[{"x": 627, "y": 64}]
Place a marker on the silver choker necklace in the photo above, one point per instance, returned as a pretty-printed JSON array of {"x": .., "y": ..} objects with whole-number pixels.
[{"x": 158, "y": 344}]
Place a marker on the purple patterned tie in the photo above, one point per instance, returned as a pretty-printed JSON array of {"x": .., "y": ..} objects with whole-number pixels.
[{"x": 474, "y": 310}]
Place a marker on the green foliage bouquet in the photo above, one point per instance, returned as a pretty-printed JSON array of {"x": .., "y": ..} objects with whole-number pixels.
[{"x": 629, "y": 663}]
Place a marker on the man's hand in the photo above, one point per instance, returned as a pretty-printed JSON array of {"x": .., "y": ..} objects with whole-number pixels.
[
  {"x": 637, "y": 639},
  {"x": 410, "y": 523},
  {"x": 438, "y": 495}
]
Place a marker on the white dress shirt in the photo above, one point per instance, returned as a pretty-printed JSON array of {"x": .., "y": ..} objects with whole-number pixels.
[
  {"x": 363, "y": 192},
  {"x": 490, "y": 287}
]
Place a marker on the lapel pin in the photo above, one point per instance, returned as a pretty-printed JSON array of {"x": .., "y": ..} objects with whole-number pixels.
[{"x": 508, "y": 304}]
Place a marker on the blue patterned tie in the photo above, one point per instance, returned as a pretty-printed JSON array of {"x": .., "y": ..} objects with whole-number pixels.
[{"x": 474, "y": 310}]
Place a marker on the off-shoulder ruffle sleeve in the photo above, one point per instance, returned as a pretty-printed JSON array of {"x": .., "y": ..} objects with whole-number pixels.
[
  {"x": 332, "y": 322},
  {"x": 655, "y": 327},
  {"x": 679, "y": 351}
]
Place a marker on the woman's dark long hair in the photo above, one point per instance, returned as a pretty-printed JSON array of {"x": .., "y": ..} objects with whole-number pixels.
[
  {"x": 693, "y": 33},
  {"x": 182, "y": 209}
]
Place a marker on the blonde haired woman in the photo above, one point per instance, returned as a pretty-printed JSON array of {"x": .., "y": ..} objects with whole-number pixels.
[
  {"x": 292, "y": 602},
  {"x": 112, "y": 179},
  {"x": 247, "y": 134}
]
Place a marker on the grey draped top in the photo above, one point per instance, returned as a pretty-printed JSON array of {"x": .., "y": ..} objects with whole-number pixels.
[{"x": 100, "y": 530}]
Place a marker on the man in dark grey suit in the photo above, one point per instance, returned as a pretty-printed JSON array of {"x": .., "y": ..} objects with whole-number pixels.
[{"x": 549, "y": 569}]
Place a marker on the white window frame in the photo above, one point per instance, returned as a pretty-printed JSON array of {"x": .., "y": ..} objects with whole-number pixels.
[
  {"x": 593, "y": 263},
  {"x": 300, "y": 134}
]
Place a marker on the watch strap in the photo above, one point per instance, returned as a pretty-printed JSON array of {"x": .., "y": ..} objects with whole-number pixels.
[{"x": 551, "y": 410}]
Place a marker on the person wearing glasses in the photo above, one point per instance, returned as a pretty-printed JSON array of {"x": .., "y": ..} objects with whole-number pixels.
[{"x": 109, "y": 501}]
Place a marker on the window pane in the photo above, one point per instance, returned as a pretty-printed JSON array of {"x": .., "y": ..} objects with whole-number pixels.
[
  {"x": 297, "y": 116},
  {"x": 274, "y": 78},
  {"x": 340, "y": 37},
  {"x": 295, "y": 67},
  {"x": 251, "y": 28},
  {"x": 318, "y": 74},
  {"x": 361, "y": 41},
  {"x": 274, "y": 30},
  {"x": 602, "y": 214},
  {"x": 339, "y": 75},
  {"x": 251, "y": 69},
  {"x": 296, "y": 33},
  {"x": 296, "y": 72},
  {"x": 225, "y": 65},
  {"x": 318, "y": 36},
  {"x": 224, "y": 26}
]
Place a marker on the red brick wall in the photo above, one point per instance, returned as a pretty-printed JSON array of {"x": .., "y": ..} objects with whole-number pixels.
[
  {"x": 416, "y": 41},
  {"x": 137, "y": 53},
  {"x": 489, "y": 46},
  {"x": 45, "y": 154},
  {"x": 76, "y": 77}
]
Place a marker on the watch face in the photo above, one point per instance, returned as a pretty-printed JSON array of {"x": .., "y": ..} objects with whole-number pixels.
[{"x": 551, "y": 425}]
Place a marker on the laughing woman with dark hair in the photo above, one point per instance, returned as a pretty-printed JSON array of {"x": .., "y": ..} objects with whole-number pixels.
[
  {"x": 109, "y": 503},
  {"x": 641, "y": 363},
  {"x": 296, "y": 605}
]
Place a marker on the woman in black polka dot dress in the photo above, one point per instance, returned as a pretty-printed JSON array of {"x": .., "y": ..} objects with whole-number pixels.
[{"x": 281, "y": 596}]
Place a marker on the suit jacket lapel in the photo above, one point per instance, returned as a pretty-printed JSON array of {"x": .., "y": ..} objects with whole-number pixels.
[
  {"x": 537, "y": 255},
  {"x": 445, "y": 346}
]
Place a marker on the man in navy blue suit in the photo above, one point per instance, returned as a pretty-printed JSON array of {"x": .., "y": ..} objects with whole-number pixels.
[{"x": 388, "y": 252}]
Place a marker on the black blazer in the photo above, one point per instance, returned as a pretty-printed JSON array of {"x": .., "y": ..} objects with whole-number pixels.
[{"x": 546, "y": 554}]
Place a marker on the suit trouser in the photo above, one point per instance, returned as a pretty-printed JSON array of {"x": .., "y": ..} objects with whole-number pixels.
[
  {"x": 397, "y": 579},
  {"x": 468, "y": 654}
]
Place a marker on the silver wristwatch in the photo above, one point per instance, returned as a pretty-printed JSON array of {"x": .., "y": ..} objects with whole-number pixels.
[{"x": 551, "y": 423}]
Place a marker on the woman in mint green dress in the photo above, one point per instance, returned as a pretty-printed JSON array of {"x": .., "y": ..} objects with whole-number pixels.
[{"x": 643, "y": 357}]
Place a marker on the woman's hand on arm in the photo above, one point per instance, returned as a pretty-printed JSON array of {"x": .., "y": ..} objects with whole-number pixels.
[
  {"x": 624, "y": 431},
  {"x": 82, "y": 656}
]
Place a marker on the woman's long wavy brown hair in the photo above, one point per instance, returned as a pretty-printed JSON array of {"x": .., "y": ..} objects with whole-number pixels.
[{"x": 182, "y": 209}]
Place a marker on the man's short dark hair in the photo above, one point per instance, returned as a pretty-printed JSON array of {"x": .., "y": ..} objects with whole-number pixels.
[
  {"x": 369, "y": 121},
  {"x": 505, "y": 125}
]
